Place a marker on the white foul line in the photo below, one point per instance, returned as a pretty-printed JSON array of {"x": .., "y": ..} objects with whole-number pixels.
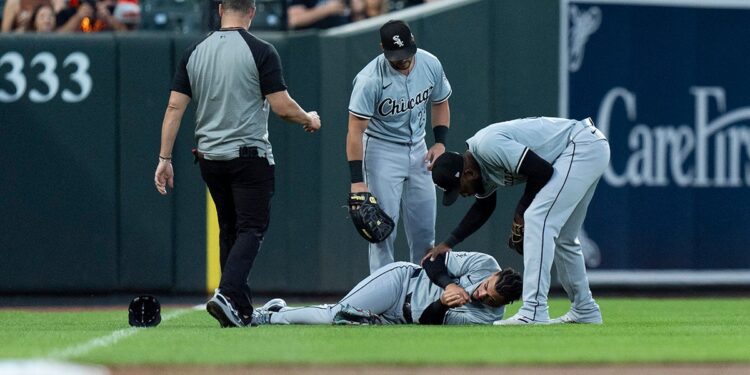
[{"x": 111, "y": 339}]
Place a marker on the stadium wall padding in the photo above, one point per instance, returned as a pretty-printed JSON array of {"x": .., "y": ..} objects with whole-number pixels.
[{"x": 80, "y": 212}]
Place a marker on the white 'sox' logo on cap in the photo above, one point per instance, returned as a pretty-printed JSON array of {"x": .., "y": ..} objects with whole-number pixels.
[{"x": 398, "y": 41}]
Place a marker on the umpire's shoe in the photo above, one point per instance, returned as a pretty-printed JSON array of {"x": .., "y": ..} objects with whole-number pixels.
[{"x": 223, "y": 310}]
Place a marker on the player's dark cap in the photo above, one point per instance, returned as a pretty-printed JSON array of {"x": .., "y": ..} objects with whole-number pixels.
[
  {"x": 144, "y": 311},
  {"x": 397, "y": 40},
  {"x": 446, "y": 174}
]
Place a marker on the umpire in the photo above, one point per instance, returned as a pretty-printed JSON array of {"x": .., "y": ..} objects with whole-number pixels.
[{"x": 233, "y": 77}]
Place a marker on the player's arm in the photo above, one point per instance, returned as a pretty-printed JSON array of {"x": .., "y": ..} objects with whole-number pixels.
[
  {"x": 538, "y": 172},
  {"x": 441, "y": 118},
  {"x": 453, "y": 296},
  {"x": 477, "y": 215},
  {"x": 355, "y": 151}
]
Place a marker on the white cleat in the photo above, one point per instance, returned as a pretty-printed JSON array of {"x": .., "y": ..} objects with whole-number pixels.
[
  {"x": 517, "y": 320},
  {"x": 572, "y": 318},
  {"x": 274, "y": 305}
]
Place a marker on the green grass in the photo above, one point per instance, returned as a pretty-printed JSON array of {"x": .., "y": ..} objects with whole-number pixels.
[{"x": 635, "y": 331}]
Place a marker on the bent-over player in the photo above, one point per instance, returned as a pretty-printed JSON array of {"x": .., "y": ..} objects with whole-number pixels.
[
  {"x": 456, "y": 288},
  {"x": 385, "y": 143},
  {"x": 561, "y": 162}
]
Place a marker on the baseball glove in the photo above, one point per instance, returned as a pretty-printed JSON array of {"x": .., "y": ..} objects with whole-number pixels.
[
  {"x": 515, "y": 241},
  {"x": 350, "y": 315},
  {"x": 371, "y": 222}
]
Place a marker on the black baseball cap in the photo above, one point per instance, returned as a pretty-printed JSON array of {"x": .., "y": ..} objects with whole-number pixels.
[
  {"x": 144, "y": 311},
  {"x": 397, "y": 40},
  {"x": 446, "y": 174}
]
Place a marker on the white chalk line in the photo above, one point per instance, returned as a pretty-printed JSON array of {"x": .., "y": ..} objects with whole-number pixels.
[{"x": 111, "y": 339}]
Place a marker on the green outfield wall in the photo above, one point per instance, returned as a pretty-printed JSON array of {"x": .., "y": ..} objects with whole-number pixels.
[{"x": 80, "y": 121}]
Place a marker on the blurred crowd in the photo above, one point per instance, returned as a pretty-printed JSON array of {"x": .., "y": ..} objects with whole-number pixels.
[
  {"x": 45, "y": 16},
  {"x": 322, "y": 14},
  {"x": 70, "y": 16}
]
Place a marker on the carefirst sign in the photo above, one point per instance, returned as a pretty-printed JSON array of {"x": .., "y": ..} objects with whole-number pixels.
[
  {"x": 708, "y": 153},
  {"x": 668, "y": 82}
]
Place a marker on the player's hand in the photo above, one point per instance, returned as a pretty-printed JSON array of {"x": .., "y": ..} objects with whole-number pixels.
[
  {"x": 433, "y": 153},
  {"x": 433, "y": 253},
  {"x": 359, "y": 187},
  {"x": 454, "y": 296},
  {"x": 164, "y": 175},
  {"x": 313, "y": 123}
]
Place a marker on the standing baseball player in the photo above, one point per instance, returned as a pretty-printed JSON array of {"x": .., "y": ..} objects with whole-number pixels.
[
  {"x": 561, "y": 162},
  {"x": 456, "y": 288},
  {"x": 233, "y": 77},
  {"x": 386, "y": 145}
]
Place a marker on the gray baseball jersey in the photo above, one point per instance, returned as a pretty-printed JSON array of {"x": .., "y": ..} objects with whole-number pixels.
[
  {"x": 499, "y": 148},
  {"x": 394, "y": 147},
  {"x": 384, "y": 293},
  {"x": 579, "y": 153},
  {"x": 396, "y": 104}
]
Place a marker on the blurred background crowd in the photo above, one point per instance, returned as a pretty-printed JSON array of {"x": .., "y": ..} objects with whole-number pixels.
[{"x": 183, "y": 16}]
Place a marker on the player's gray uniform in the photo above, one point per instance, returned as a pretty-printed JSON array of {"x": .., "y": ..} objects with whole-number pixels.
[
  {"x": 385, "y": 290},
  {"x": 579, "y": 154},
  {"x": 394, "y": 147}
]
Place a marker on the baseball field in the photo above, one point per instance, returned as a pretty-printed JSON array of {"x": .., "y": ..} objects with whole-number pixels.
[{"x": 640, "y": 336}]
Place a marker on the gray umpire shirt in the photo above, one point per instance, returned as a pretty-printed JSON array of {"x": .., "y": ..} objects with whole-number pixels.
[
  {"x": 228, "y": 74},
  {"x": 396, "y": 104}
]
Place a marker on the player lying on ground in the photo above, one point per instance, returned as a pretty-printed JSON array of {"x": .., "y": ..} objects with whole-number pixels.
[{"x": 455, "y": 288}]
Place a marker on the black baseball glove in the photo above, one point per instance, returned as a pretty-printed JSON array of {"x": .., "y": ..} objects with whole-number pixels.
[
  {"x": 515, "y": 241},
  {"x": 371, "y": 222}
]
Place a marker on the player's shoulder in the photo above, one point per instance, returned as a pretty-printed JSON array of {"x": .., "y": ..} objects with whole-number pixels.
[
  {"x": 428, "y": 59},
  {"x": 372, "y": 73}
]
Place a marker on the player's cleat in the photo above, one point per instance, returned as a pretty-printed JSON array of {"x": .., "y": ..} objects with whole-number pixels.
[
  {"x": 273, "y": 305},
  {"x": 222, "y": 309},
  {"x": 518, "y": 320},
  {"x": 261, "y": 317},
  {"x": 572, "y": 317}
]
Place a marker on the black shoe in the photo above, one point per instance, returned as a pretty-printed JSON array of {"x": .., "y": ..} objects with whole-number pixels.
[{"x": 223, "y": 310}]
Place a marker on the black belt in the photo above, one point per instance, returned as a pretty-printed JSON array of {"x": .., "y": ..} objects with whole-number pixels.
[
  {"x": 246, "y": 152},
  {"x": 407, "y": 309},
  {"x": 407, "y": 301}
]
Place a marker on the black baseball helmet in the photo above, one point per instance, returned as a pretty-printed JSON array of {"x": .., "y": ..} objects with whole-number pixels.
[{"x": 144, "y": 311}]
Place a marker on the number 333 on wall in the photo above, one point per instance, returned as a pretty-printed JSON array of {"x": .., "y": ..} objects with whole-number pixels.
[{"x": 16, "y": 79}]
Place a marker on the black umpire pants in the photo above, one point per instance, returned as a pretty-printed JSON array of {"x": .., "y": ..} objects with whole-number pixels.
[{"x": 241, "y": 190}]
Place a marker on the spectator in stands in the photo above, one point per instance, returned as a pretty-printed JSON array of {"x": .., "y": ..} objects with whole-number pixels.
[
  {"x": 362, "y": 9},
  {"x": 128, "y": 12},
  {"x": 401, "y": 4},
  {"x": 43, "y": 19},
  {"x": 89, "y": 16},
  {"x": 17, "y": 14},
  {"x": 69, "y": 19},
  {"x": 317, "y": 14}
]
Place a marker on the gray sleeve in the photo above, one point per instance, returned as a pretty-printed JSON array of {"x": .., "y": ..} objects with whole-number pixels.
[
  {"x": 500, "y": 151},
  {"x": 364, "y": 97},
  {"x": 462, "y": 263},
  {"x": 442, "y": 90},
  {"x": 470, "y": 315}
]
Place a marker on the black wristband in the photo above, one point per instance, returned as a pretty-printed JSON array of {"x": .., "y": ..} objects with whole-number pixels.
[
  {"x": 355, "y": 169},
  {"x": 452, "y": 241},
  {"x": 440, "y": 132}
]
